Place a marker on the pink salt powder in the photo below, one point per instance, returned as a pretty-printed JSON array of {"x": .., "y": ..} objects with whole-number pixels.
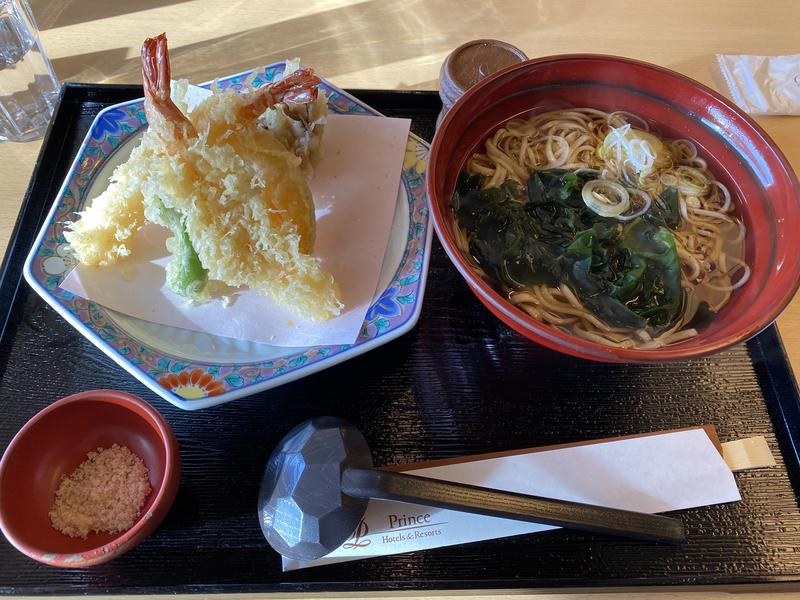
[{"x": 104, "y": 494}]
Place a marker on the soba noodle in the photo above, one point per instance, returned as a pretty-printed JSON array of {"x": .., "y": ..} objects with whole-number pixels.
[{"x": 632, "y": 169}]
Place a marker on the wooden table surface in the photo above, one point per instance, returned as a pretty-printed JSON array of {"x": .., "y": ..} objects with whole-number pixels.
[{"x": 400, "y": 45}]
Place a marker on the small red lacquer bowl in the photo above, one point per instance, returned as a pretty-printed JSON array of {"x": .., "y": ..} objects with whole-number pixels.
[
  {"x": 54, "y": 443},
  {"x": 738, "y": 152}
]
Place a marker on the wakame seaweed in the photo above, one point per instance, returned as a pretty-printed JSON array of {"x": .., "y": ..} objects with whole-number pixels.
[
  {"x": 665, "y": 209},
  {"x": 627, "y": 273}
]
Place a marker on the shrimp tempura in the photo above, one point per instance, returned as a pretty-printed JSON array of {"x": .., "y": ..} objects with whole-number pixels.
[{"x": 235, "y": 198}]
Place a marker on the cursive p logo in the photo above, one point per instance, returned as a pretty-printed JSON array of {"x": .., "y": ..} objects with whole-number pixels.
[{"x": 356, "y": 541}]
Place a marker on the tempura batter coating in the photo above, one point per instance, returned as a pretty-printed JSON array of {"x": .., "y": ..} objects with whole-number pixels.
[{"x": 233, "y": 194}]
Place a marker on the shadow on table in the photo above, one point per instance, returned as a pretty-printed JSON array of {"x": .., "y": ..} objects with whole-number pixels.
[
  {"x": 90, "y": 67},
  {"x": 60, "y": 13},
  {"x": 338, "y": 42}
]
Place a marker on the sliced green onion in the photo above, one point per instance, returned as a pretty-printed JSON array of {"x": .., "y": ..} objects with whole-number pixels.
[
  {"x": 646, "y": 202},
  {"x": 606, "y": 198},
  {"x": 691, "y": 180}
]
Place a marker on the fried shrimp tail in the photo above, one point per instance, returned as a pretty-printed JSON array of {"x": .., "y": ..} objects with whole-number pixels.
[
  {"x": 163, "y": 116},
  {"x": 299, "y": 87}
]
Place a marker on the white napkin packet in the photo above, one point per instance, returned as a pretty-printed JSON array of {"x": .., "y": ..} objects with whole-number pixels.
[{"x": 763, "y": 85}]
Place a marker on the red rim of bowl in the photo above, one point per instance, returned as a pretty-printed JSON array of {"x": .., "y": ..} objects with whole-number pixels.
[
  {"x": 146, "y": 523},
  {"x": 550, "y": 336}
]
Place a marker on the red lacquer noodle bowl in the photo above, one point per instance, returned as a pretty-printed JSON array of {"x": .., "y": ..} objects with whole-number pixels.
[{"x": 738, "y": 152}]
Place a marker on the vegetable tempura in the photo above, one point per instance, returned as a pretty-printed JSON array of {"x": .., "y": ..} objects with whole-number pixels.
[{"x": 234, "y": 194}]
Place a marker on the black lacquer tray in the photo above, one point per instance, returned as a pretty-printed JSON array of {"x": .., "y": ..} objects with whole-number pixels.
[{"x": 460, "y": 383}]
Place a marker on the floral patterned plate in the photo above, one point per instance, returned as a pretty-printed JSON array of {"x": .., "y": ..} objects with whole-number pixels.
[{"x": 194, "y": 370}]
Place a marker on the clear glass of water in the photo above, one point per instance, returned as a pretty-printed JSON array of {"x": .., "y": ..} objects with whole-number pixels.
[{"x": 28, "y": 86}]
